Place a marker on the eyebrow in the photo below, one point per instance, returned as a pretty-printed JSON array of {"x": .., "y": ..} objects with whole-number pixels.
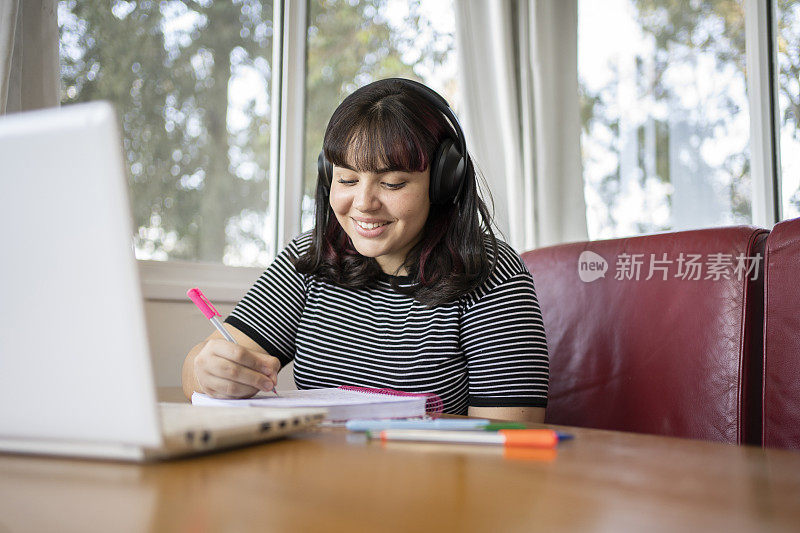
[{"x": 378, "y": 171}]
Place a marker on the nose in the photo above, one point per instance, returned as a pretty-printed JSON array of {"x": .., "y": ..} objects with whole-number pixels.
[{"x": 366, "y": 198}]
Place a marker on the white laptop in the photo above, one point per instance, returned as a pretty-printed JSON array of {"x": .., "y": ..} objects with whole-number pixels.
[{"x": 75, "y": 370}]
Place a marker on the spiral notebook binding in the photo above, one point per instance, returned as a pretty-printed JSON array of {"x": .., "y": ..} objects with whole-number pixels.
[{"x": 433, "y": 403}]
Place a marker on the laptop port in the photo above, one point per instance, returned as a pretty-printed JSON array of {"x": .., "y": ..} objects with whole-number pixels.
[{"x": 266, "y": 426}]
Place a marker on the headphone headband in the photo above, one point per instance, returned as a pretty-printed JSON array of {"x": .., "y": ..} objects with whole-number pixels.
[{"x": 442, "y": 105}]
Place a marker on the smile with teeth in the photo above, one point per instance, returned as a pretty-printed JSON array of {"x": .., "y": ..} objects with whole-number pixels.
[{"x": 369, "y": 225}]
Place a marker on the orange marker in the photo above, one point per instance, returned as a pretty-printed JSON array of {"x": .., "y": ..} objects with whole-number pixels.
[{"x": 517, "y": 438}]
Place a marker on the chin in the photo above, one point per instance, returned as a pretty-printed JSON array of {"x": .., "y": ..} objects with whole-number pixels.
[{"x": 367, "y": 250}]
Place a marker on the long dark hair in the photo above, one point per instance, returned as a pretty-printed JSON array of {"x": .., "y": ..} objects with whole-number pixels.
[{"x": 389, "y": 125}]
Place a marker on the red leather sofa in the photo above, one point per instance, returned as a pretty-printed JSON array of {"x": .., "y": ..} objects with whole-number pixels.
[
  {"x": 667, "y": 340},
  {"x": 781, "y": 377}
]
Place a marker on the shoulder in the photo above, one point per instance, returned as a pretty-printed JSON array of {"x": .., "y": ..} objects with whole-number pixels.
[
  {"x": 285, "y": 263},
  {"x": 299, "y": 245},
  {"x": 506, "y": 266}
]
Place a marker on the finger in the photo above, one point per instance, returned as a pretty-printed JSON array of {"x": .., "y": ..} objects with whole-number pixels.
[
  {"x": 231, "y": 371},
  {"x": 211, "y": 364},
  {"x": 222, "y": 388},
  {"x": 241, "y": 355}
]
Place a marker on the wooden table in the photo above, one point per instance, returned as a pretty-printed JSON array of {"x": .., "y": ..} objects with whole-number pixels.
[{"x": 329, "y": 480}]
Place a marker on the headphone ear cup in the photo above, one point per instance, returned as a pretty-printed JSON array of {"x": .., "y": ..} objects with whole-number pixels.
[
  {"x": 447, "y": 173},
  {"x": 324, "y": 172}
]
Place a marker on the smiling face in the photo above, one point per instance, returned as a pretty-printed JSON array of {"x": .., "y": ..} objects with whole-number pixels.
[{"x": 383, "y": 213}]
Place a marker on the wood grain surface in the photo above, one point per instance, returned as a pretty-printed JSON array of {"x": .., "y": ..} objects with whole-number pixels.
[{"x": 329, "y": 480}]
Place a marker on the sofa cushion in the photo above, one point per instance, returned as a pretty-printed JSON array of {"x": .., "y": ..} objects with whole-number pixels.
[
  {"x": 781, "y": 389},
  {"x": 668, "y": 355}
]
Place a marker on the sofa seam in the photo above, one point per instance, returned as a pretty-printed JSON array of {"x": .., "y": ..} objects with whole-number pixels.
[
  {"x": 744, "y": 347},
  {"x": 764, "y": 347}
]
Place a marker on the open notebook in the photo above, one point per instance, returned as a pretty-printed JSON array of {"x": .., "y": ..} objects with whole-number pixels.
[{"x": 342, "y": 403}]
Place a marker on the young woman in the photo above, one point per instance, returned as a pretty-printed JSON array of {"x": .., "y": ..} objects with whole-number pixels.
[{"x": 401, "y": 283}]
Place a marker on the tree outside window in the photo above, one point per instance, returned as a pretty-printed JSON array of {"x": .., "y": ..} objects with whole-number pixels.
[
  {"x": 665, "y": 115},
  {"x": 352, "y": 43}
]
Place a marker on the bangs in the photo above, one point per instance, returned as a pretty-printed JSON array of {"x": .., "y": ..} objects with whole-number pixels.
[{"x": 377, "y": 140}]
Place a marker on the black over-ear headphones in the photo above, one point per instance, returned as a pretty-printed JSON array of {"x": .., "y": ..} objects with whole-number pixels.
[{"x": 449, "y": 163}]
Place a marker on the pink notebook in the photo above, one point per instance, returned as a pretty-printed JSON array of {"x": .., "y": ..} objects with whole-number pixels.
[{"x": 342, "y": 403}]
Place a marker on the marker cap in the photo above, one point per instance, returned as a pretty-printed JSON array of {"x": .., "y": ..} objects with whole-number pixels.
[
  {"x": 537, "y": 438},
  {"x": 200, "y": 300}
]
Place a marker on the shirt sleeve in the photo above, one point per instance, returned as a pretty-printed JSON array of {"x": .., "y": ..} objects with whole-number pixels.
[
  {"x": 270, "y": 311},
  {"x": 503, "y": 338}
]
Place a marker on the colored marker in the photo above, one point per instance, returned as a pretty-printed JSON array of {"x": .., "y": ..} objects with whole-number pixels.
[
  {"x": 524, "y": 438},
  {"x": 211, "y": 313},
  {"x": 453, "y": 424},
  {"x": 361, "y": 424}
]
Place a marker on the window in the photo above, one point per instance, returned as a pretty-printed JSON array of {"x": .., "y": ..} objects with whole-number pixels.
[
  {"x": 352, "y": 43},
  {"x": 194, "y": 103},
  {"x": 191, "y": 83},
  {"x": 788, "y": 86},
  {"x": 665, "y": 120}
]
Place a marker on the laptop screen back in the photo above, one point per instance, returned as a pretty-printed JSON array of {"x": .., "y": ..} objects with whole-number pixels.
[{"x": 74, "y": 357}]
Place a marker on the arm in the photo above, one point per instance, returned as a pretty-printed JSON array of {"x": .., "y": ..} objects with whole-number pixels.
[
  {"x": 503, "y": 339},
  {"x": 515, "y": 414},
  {"x": 263, "y": 324}
]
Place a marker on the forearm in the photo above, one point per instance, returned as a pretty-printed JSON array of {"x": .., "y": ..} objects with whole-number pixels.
[
  {"x": 188, "y": 379},
  {"x": 516, "y": 414}
]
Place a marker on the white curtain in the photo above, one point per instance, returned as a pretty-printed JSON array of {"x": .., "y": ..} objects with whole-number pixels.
[
  {"x": 518, "y": 78},
  {"x": 29, "y": 67}
]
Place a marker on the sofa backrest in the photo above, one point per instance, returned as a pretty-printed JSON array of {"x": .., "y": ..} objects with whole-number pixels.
[
  {"x": 669, "y": 355},
  {"x": 781, "y": 384}
]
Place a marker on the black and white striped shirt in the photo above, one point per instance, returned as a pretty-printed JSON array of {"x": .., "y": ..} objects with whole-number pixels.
[{"x": 485, "y": 349}]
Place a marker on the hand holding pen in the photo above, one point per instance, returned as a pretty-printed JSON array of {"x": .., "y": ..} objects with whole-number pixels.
[{"x": 226, "y": 369}]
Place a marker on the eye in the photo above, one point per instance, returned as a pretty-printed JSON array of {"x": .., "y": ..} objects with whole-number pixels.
[
  {"x": 346, "y": 182},
  {"x": 394, "y": 186}
]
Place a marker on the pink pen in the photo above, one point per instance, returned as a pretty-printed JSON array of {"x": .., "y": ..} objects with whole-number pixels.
[{"x": 211, "y": 313}]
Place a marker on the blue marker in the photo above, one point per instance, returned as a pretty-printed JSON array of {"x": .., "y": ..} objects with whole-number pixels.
[{"x": 441, "y": 423}]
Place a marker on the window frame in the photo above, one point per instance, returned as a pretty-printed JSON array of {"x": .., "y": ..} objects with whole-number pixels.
[{"x": 762, "y": 95}]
